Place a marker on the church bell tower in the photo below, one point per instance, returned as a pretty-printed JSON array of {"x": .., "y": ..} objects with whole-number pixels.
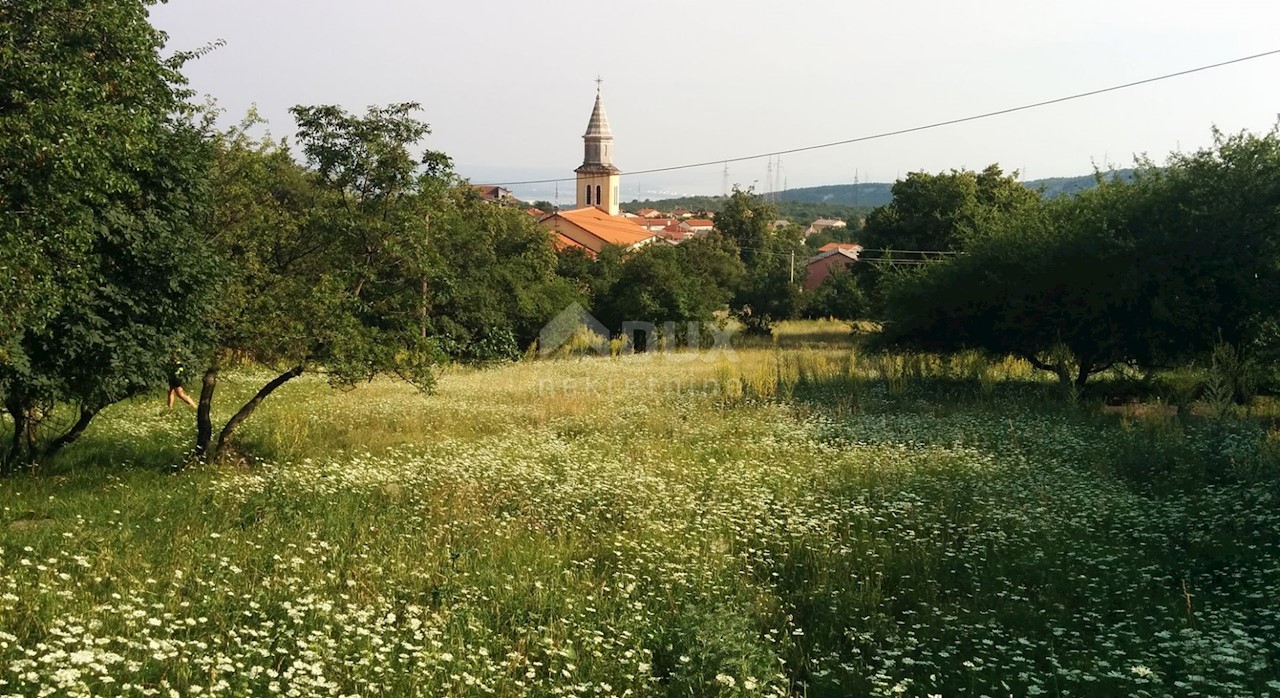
[{"x": 597, "y": 177}]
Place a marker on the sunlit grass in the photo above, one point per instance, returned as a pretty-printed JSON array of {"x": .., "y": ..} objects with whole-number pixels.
[{"x": 800, "y": 519}]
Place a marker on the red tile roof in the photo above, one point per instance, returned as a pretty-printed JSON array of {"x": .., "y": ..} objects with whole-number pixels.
[
  {"x": 852, "y": 246},
  {"x": 593, "y": 229}
]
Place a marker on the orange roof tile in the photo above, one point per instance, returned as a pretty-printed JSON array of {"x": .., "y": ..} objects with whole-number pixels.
[
  {"x": 594, "y": 229},
  {"x": 840, "y": 246}
]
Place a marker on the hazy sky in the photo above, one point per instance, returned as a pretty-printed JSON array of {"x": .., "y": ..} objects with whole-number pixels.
[{"x": 507, "y": 86}]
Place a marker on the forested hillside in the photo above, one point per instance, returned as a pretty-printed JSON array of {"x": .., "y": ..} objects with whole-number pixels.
[{"x": 845, "y": 200}]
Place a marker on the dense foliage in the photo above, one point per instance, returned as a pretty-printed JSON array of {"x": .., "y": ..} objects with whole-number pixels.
[
  {"x": 102, "y": 270},
  {"x": 939, "y": 212},
  {"x": 1151, "y": 272}
]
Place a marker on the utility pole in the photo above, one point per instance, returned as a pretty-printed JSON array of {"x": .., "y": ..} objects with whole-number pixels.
[
  {"x": 793, "y": 266},
  {"x": 780, "y": 178},
  {"x": 724, "y": 184},
  {"x": 768, "y": 181}
]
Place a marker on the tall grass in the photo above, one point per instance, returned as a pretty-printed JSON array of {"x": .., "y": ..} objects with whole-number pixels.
[{"x": 787, "y": 519}]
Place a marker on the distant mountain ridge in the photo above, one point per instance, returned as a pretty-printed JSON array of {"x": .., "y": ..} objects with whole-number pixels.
[{"x": 874, "y": 194}]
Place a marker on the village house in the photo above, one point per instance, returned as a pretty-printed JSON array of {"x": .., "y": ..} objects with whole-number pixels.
[
  {"x": 697, "y": 226},
  {"x": 831, "y": 258},
  {"x": 649, "y": 213},
  {"x": 822, "y": 224},
  {"x": 674, "y": 234},
  {"x": 490, "y": 192},
  {"x": 657, "y": 224}
]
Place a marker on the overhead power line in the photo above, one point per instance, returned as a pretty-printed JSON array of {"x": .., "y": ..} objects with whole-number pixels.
[{"x": 925, "y": 127}]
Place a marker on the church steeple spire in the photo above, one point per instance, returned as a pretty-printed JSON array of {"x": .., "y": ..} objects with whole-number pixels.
[
  {"x": 598, "y": 177},
  {"x": 598, "y": 139}
]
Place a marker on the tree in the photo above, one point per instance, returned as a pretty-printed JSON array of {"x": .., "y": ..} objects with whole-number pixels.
[
  {"x": 105, "y": 183},
  {"x": 839, "y": 296},
  {"x": 1151, "y": 272},
  {"x": 660, "y": 283},
  {"x": 768, "y": 291},
  {"x": 493, "y": 281},
  {"x": 941, "y": 212},
  {"x": 329, "y": 266},
  {"x": 746, "y": 220}
]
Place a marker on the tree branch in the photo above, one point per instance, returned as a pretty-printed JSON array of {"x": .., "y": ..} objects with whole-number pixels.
[{"x": 250, "y": 406}]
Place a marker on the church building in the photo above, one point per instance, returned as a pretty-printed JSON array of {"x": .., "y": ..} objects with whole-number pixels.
[{"x": 596, "y": 222}]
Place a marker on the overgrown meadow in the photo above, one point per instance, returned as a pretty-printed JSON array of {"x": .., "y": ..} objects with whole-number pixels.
[{"x": 781, "y": 520}]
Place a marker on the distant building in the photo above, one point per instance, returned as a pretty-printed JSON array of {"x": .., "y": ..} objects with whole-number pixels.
[
  {"x": 596, "y": 223},
  {"x": 675, "y": 233},
  {"x": 851, "y": 246},
  {"x": 535, "y": 212},
  {"x": 822, "y": 224},
  {"x": 649, "y": 213},
  {"x": 491, "y": 192},
  {"x": 681, "y": 213},
  {"x": 656, "y": 224},
  {"x": 592, "y": 230},
  {"x": 697, "y": 226},
  {"x": 825, "y": 263}
]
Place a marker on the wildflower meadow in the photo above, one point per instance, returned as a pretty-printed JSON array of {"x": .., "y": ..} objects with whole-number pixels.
[{"x": 783, "y": 521}]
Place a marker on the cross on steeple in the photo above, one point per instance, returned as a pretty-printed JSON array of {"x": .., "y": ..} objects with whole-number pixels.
[{"x": 599, "y": 81}]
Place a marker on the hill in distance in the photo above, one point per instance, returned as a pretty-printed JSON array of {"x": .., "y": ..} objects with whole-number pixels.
[{"x": 868, "y": 195}]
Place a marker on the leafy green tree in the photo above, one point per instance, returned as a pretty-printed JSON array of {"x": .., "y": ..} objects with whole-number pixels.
[
  {"x": 849, "y": 233},
  {"x": 839, "y": 296},
  {"x": 493, "y": 279},
  {"x": 105, "y": 181},
  {"x": 773, "y": 260},
  {"x": 331, "y": 265},
  {"x": 1049, "y": 287},
  {"x": 1151, "y": 272},
  {"x": 746, "y": 220},
  {"x": 940, "y": 212},
  {"x": 661, "y": 283}
]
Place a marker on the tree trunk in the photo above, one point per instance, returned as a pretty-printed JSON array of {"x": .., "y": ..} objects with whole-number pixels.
[
  {"x": 250, "y": 406},
  {"x": 204, "y": 412},
  {"x": 11, "y": 459},
  {"x": 1086, "y": 370},
  {"x": 422, "y": 311},
  {"x": 86, "y": 415}
]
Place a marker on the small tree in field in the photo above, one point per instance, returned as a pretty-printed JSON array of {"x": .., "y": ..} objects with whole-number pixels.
[
  {"x": 369, "y": 261},
  {"x": 327, "y": 266},
  {"x": 768, "y": 291}
]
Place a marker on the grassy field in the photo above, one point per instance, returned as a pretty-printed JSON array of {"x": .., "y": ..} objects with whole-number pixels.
[{"x": 790, "y": 519}]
